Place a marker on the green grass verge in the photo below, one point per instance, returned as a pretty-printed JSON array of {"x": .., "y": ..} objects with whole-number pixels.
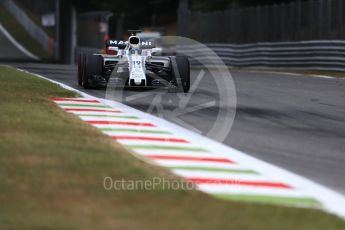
[
  {"x": 53, "y": 166},
  {"x": 20, "y": 34},
  {"x": 296, "y": 71},
  {"x": 319, "y": 72}
]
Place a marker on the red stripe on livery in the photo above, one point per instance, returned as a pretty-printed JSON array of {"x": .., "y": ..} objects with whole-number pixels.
[
  {"x": 74, "y": 100},
  {"x": 120, "y": 123},
  {"x": 238, "y": 182},
  {"x": 181, "y": 158},
  {"x": 150, "y": 139}
]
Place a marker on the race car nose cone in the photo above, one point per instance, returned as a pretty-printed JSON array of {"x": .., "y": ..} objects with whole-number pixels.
[{"x": 137, "y": 81}]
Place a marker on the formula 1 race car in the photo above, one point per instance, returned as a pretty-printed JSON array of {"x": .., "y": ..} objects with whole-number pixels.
[{"x": 134, "y": 64}]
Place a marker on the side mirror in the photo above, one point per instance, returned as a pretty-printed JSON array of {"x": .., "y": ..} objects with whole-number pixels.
[{"x": 156, "y": 50}]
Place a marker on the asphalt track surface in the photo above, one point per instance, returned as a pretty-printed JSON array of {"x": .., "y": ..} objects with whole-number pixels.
[{"x": 295, "y": 122}]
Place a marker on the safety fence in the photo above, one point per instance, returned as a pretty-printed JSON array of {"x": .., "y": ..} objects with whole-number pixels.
[
  {"x": 294, "y": 21},
  {"x": 317, "y": 55}
]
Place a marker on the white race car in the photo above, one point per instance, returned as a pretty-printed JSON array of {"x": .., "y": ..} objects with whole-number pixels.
[{"x": 134, "y": 64}]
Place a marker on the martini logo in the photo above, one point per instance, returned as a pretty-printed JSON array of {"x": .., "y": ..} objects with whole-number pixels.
[
  {"x": 116, "y": 42},
  {"x": 146, "y": 43}
]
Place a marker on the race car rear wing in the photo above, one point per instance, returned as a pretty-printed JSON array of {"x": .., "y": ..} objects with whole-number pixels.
[{"x": 134, "y": 32}]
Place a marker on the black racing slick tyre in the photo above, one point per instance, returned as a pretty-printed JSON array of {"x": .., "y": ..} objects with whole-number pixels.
[
  {"x": 183, "y": 67},
  {"x": 93, "y": 67},
  {"x": 85, "y": 83},
  {"x": 80, "y": 69}
]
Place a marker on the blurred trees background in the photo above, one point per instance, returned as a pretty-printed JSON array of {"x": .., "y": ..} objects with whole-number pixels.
[
  {"x": 211, "y": 5},
  {"x": 162, "y": 12}
]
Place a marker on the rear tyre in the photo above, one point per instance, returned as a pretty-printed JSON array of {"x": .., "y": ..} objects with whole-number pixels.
[
  {"x": 183, "y": 68},
  {"x": 80, "y": 69},
  {"x": 93, "y": 67},
  {"x": 84, "y": 78}
]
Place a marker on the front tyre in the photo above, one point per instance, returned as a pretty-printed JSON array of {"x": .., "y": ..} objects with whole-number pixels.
[
  {"x": 93, "y": 67},
  {"x": 183, "y": 67}
]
